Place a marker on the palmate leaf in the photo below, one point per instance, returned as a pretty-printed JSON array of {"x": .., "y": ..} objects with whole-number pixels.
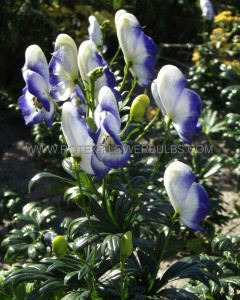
[
  {"x": 47, "y": 288},
  {"x": 191, "y": 268},
  {"x": 27, "y": 274},
  {"x": 111, "y": 247}
]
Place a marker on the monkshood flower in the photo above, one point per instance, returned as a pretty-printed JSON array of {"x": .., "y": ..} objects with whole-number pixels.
[
  {"x": 90, "y": 59},
  {"x": 63, "y": 68},
  {"x": 36, "y": 103},
  {"x": 76, "y": 133},
  {"x": 180, "y": 105},
  {"x": 138, "y": 49},
  {"x": 95, "y": 33},
  {"x": 188, "y": 198},
  {"x": 207, "y": 9},
  {"x": 109, "y": 150}
]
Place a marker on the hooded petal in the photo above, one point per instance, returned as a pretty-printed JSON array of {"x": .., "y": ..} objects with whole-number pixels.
[
  {"x": 63, "y": 67},
  {"x": 171, "y": 83},
  {"x": 35, "y": 61},
  {"x": 49, "y": 116},
  {"x": 137, "y": 47},
  {"x": 88, "y": 60},
  {"x": 178, "y": 179},
  {"x": 107, "y": 102},
  {"x": 196, "y": 207},
  {"x": 38, "y": 87}
]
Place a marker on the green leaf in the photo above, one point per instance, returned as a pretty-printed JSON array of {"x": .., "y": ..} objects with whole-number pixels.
[
  {"x": 43, "y": 175},
  {"x": 67, "y": 165},
  {"x": 87, "y": 239},
  {"x": 111, "y": 247},
  {"x": 190, "y": 268}
]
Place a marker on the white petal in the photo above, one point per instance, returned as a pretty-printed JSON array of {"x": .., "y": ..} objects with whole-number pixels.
[{"x": 170, "y": 83}]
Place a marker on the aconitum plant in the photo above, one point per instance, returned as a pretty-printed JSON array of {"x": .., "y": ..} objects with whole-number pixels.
[{"x": 106, "y": 253}]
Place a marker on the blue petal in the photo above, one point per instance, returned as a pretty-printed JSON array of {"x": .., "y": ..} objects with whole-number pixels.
[
  {"x": 49, "y": 116},
  {"x": 38, "y": 87},
  {"x": 187, "y": 113},
  {"x": 107, "y": 102},
  {"x": 100, "y": 170},
  {"x": 196, "y": 208},
  {"x": 112, "y": 127},
  {"x": 117, "y": 158},
  {"x": 78, "y": 100},
  {"x": 30, "y": 113}
]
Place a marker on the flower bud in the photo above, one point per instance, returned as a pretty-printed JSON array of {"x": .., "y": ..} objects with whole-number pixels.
[
  {"x": 59, "y": 246},
  {"x": 96, "y": 73},
  {"x": 126, "y": 244},
  {"x": 139, "y": 107}
]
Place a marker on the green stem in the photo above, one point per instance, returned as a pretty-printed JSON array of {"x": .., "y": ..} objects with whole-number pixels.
[
  {"x": 174, "y": 217},
  {"x": 213, "y": 144},
  {"x": 158, "y": 163},
  {"x": 131, "y": 133},
  {"x": 83, "y": 204},
  {"x": 114, "y": 57},
  {"x": 148, "y": 126},
  {"x": 126, "y": 126},
  {"x": 122, "y": 278},
  {"x": 125, "y": 101},
  {"x": 92, "y": 102},
  {"x": 105, "y": 203},
  {"x": 126, "y": 71}
]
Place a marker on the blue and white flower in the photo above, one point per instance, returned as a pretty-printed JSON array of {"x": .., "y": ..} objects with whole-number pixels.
[
  {"x": 90, "y": 59},
  {"x": 188, "y": 198},
  {"x": 138, "y": 49},
  {"x": 36, "y": 103},
  {"x": 76, "y": 132},
  {"x": 177, "y": 103},
  {"x": 207, "y": 9},
  {"x": 63, "y": 68},
  {"x": 109, "y": 150}
]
